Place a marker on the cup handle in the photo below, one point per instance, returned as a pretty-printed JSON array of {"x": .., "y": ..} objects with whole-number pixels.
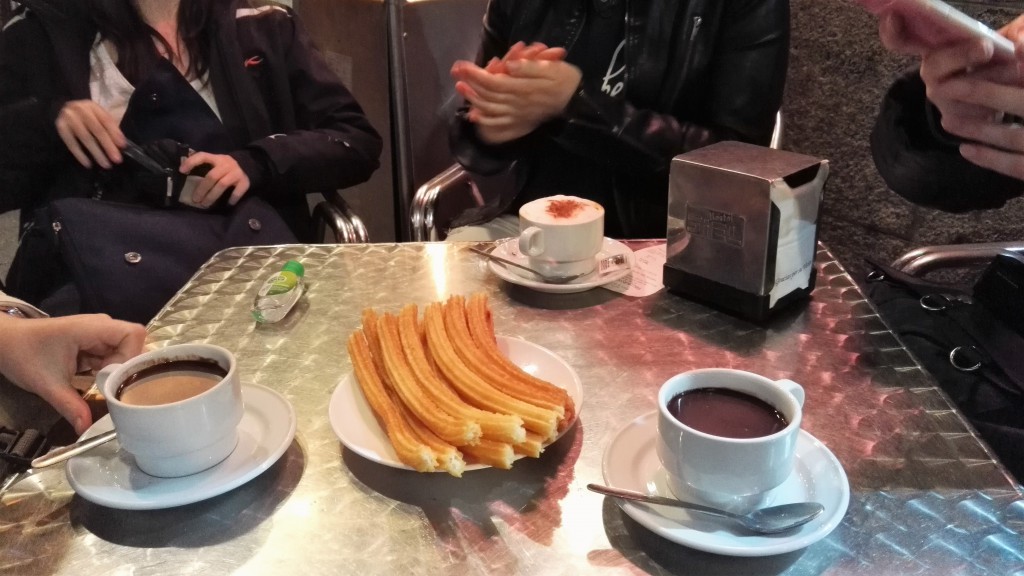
[
  {"x": 103, "y": 374},
  {"x": 793, "y": 388},
  {"x": 531, "y": 241}
]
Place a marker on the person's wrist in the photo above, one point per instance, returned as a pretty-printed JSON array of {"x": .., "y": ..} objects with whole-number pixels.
[{"x": 7, "y": 337}]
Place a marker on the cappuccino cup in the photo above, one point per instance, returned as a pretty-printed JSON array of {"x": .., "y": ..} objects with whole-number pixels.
[
  {"x": 726, "y": 438},
  {"x": 176, "y": 410},
  {"x": 561, "y": 235}
]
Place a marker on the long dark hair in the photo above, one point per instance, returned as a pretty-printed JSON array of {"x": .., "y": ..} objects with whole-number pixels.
[{"x": 119, "y": 22}]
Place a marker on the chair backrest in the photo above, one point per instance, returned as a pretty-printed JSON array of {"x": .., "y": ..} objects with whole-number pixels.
[
  {"x": 337, "y": 223},
  {"x": 432, "y": 35}
]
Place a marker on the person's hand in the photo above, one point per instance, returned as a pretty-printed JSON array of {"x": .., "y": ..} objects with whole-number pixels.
[
  {"x": 1014, "y": 31},
  {"x": 42, "y": 355},
  {"x": 522, "y": 51},
  {"x": 973, "y": 93},
  {"x": 506, "y": 106},
  {"x": 974, "y": 96},
  {"x": 224, "y": 173},
  {"x": 90, "y": 133}
]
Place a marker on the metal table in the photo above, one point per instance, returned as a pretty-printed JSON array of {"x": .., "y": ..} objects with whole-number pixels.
[{"x": 927, "y": 497}]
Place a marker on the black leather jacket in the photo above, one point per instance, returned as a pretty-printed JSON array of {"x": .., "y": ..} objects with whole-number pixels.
[{"x": 697, "y": 72}]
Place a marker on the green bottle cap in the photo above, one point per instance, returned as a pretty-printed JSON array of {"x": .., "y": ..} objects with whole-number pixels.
[{"x": 294, "y": 267}]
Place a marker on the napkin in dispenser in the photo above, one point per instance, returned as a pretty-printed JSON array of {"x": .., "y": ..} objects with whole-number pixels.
[{"x": 743, "y": 227}]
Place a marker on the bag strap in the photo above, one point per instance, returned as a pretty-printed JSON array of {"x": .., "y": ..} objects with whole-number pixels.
[{"x": 995, "y": 346}]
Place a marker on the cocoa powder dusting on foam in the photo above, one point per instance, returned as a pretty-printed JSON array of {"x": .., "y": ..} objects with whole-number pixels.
[{"x": 564, "y": 208}]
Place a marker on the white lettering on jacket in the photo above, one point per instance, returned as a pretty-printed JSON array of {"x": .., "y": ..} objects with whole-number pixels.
[{"x": 613, "y": 89}]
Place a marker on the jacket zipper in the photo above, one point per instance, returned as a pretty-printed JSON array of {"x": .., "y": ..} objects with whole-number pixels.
[
  {"x": 625, "y": 49},
  {"x": 688, "y": 60}
]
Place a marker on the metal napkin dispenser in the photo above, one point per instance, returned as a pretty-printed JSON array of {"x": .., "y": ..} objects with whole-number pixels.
[{"x": 743, "y": 227}]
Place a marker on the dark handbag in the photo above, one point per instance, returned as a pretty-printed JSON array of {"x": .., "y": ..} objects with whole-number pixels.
[
  {"x": 969, "y": 342},
  {"x": 128, "y": 260}
]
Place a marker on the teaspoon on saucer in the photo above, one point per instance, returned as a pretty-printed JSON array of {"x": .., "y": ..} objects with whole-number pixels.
[
  {"x": 769, "y": 520},
  {"x": 602, "y": 267},
  {"x": 61, "y": 454}
]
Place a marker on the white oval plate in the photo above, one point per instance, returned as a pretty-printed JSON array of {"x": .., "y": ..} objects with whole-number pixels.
[
  {"x": 108, "y": 476},
  {"x": 358, "y": 429},
  {"x": 631, "y": 462},
  {"x": 509, "y": 250}
]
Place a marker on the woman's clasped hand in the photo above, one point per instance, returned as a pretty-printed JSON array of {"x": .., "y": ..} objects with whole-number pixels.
[{"x": 510, "y": 97}]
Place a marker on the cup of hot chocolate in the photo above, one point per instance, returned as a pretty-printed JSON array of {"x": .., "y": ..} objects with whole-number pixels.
[
  {"x": 726, "y": 437},
  {"x": 561, "y": 235},
  {"x": 176, "y": 409}
]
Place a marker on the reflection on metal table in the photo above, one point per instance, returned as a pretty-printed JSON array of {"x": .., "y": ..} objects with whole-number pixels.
[{"x": 926, "y": 495}]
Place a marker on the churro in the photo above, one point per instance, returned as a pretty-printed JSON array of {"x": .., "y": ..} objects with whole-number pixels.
[
  {"x": 481, "y": 327},
  {"x": 373, "y": 340},
  {"x": 501, "y": 427},
  {"x": 492, "y": 453},
  {"x": 510, "y": 382},
  {"x": 455, "y": 431},
  {"x": 476, "y": 390},
  {"x": 532, "y": 446},
  {"x": 441, "y": 388},
  {"x": 410, "y": 450},
  {"x": 446, "y": 456}
]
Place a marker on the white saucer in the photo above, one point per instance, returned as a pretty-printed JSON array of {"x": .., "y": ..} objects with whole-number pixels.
[
  {"x": 108, "y": 476},
  {"x": 631, "y": 462},
  {"x": 358, "y": 429},
  {"x": 509, "y": 250}
]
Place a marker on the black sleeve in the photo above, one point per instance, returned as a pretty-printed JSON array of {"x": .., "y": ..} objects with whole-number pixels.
[
  {"x": 334, "y": 146},
  {"x": 29, "y": 97},
  {"x": 922, "y": 163}
]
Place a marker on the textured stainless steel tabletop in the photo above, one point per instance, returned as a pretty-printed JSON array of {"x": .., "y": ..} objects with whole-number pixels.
[{"x": 927, "y": 497}]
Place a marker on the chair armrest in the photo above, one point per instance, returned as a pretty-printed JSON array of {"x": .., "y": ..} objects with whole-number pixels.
[
  {"x": 424, "y": 202},
  {"x": 334, "y": 214},
  {"x": 920, "y": 261},
  {"x": 778, "y": 132}
]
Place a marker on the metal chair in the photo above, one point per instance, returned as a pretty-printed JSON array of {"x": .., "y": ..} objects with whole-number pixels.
[
  {"x": 337, "y": 223},
  {"x": 920, "y": 261},
  {"x": 441, "y": 199}
]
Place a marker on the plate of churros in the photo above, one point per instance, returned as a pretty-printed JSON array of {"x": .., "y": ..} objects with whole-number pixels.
[{"x": 439, "y": 392}]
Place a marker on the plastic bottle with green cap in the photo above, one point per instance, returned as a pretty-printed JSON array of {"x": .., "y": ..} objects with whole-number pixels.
[{"x": 279, "y": 293}]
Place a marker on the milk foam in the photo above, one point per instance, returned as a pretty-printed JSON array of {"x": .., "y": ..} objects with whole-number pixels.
[{"x": 561, "y": 210}]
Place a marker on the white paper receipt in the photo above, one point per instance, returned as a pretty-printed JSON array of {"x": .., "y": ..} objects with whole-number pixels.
[{"x": 645, "y": 278}]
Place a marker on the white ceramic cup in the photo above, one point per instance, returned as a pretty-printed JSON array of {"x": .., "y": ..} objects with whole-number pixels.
[
  {"x": 734, "y": 474},
  {"x": 561, "y": 235},
  {"x": 178, "y": 438}
]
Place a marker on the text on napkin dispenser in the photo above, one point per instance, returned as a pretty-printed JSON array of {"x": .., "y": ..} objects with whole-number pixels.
[{"x": 742, "y": 226}]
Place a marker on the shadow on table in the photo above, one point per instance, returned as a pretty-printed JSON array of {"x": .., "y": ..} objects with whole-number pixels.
[
  {"x": 547, "y": 301},
  {"x": 720, "y": 328},
  {"x": 228, "y": 517},
  {"x": 631, "y": 539},
  {"x": 526, "y": 498}
]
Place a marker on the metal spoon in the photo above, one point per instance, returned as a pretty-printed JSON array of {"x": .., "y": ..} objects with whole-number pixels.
[
  {"x": 61, "y": 454},
  {"x": 602, "y": 266},
  {"x": 765, "y": 521}
]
